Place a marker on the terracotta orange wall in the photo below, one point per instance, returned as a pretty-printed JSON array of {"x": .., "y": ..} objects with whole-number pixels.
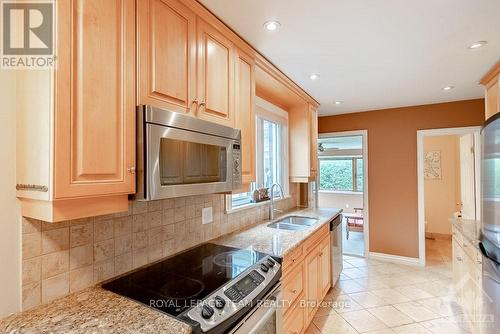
[{"x": 392, "y": 164}]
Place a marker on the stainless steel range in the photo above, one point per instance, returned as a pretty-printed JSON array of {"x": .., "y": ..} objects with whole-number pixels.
[{"x": 213, "y": 288}]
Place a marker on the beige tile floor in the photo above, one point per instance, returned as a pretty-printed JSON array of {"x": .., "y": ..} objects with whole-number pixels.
[{"x": 381, "y": 297}]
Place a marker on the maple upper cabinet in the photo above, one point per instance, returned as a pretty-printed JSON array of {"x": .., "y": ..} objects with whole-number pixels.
[
  {"x": 303, "y": 138},
  {"x": 491, "y": 83},
  {"x": 245, "y": 113},
  {"x": 166, "y": 48},
  {"x": 216, "y": 86},
  {"x": 76, "y": 138},
  {"x": 313, "y": 153}
]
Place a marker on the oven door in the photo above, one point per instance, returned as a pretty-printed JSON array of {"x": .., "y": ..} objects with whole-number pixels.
[
  {"x": 263, "y": 318},
  {"x": 183, "y": 163}
]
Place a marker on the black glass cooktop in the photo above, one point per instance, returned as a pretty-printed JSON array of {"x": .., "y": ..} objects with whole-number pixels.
[{"x": 178, "y": 283}]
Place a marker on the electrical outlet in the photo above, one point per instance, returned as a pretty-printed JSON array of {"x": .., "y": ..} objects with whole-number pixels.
[{"x": 206, "y": 215}]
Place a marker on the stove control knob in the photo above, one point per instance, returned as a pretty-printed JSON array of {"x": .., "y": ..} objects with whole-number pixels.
[
  {"x": 219, "y": 302},
  {"x": 264, "y": 267},
  {"x": 270, "y": 263},
  {"x": 207, "y": 312}
]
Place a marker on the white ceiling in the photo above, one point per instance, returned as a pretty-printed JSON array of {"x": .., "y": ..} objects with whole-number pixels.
[{"x": 373, "y": 54}]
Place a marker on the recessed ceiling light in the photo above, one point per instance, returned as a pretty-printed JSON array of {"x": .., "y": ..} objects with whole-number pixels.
[
  {"x": 272, "y": 25},
  {"x": 314, "y": 76},
  {"x": 448, "y": 87},
  {"x": 477, "y": 45},
  {"x": 338, "y": 102}
]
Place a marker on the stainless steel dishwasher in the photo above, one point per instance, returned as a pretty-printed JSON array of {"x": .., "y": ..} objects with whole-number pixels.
[{"x": 336, "y": 242}]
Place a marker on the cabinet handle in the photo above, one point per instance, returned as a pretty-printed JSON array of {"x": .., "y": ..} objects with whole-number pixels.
[
  {"x": 195, "y": 101},
  {"x": 131, "y": 170},
  {"x": 202, "y": 104},
  {"x": 459, "y": 258}
]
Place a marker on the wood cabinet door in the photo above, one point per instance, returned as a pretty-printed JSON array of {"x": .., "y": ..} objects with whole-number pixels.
[
  {"x": 215, "y": 75},
  {"x": 299, "y": 136},
  {"x": 245, "y": 113},
  {"x": 324, "y": 267},
  {"x": 94, "y": 144},
  {"x": 295, "y": 322},
  {"x": 166, "y": 48},
  {"x": 313, "y": 153},
  {"x": 492, "y": 99},
  {"x": 312, "y": 282}
]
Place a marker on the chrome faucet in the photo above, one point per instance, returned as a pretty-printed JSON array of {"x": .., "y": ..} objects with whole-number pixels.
[{"x": 271, "y": 200}]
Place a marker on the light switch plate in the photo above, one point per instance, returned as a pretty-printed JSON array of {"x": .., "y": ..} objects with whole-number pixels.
[{"x": 206, "y": 215}]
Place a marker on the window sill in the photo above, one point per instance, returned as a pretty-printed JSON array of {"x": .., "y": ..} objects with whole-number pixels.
[
  {"x": 254, "y": 205},
  {"x": 341, "y": 192}
]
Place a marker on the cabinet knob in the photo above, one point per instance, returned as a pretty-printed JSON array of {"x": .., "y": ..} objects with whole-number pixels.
[
  {"x": 294, "y": 291},
  {"x": 202, "y": 104},
  {"x": 131, "y": 170},
  {"x": 459, "y": 258}
]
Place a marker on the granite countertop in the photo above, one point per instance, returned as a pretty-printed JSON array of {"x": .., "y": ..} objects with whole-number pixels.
[
  {"x": 469, "y": 228},
  {"x": 273, "y": 241},
  {"x": 95, "y": 310}
]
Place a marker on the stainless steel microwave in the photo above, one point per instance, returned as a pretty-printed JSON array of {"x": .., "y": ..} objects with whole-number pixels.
[{"x": 179, "y": 155}]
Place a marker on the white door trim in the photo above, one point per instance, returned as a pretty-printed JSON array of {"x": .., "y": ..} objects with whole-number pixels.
[
  {"x": 420, "y": 176},
  {"x": 366, "y": 219}
]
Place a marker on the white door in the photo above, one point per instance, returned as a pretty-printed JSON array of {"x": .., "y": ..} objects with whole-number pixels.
[{"x": 467, "y": 176}]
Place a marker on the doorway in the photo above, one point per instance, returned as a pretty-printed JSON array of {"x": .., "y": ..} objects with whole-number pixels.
[
  {"x": 342, "y": 180},
  {"x": 448, "y": 186}
]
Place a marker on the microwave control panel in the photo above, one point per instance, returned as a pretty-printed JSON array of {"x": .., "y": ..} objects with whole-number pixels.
[{"x": 236, "y": 165}]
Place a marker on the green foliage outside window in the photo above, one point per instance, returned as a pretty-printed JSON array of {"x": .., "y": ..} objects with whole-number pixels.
[{"x": 338, "y": 174}]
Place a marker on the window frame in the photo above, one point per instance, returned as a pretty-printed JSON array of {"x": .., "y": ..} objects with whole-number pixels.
[
  {"x": 354, "y": 159},
  {"x": 266, "y": 111}
]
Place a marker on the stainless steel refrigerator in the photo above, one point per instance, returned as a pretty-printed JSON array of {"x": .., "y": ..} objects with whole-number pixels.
[{"x": 490, "y": 229}]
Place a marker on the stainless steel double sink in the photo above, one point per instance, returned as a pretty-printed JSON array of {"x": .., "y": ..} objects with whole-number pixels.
[{"x": 294, "y": 223}]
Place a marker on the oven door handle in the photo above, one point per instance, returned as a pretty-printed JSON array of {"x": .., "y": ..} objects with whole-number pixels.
[{"x": 265, "y": 318}]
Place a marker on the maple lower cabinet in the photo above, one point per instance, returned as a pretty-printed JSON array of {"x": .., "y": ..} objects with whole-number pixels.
[
  {"x": 312, "y": 265},
  {"x": 467, "y": 280},
  {"x": 76, "y": 155},
  {"x": 325, "y": 262},
  {"x": 245, "y": 113},
  {"x": 215, "y": 75},
  {"x": 295, "y": 322},
  {"x": 166, "y": 48},
  {"x": 306, "y": 280}
]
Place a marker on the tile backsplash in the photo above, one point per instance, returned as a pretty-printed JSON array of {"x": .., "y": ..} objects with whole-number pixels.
[{"x": 61, "y": 258}]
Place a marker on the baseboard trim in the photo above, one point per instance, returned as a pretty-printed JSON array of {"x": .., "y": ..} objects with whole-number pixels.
[{"x": 396, "y": 259}]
